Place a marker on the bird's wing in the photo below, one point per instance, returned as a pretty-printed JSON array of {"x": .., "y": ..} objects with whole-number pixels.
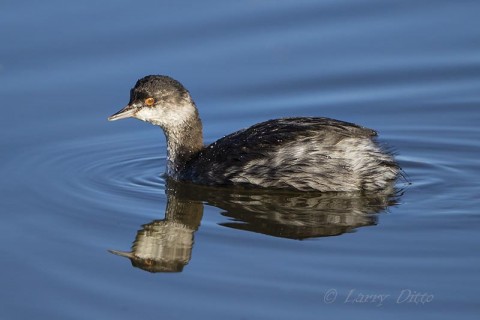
[{"x": 257, "y": 141}]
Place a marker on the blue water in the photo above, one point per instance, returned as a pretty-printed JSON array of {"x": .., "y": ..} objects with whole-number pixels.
[{"x": 75, "y": 186}]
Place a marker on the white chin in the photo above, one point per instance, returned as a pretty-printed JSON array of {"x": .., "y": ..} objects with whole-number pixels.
[{"x": 166, "y": 116}]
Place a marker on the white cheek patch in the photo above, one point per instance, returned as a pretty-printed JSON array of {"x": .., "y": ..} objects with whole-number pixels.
[
  {"x": 145, "y": 114},
  {"x": 166, "y": 115}
]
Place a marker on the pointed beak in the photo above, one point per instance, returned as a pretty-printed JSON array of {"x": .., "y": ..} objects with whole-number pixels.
[
  {"x": 127, "y": 112},
  {"x": 122, "y": 254}
]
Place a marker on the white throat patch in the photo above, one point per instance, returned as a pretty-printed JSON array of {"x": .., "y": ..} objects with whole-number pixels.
[{"x": 167, "y": 115}]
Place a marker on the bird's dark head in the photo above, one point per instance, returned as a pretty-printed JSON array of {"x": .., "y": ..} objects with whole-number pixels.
[{"x": 160, "y": 100}]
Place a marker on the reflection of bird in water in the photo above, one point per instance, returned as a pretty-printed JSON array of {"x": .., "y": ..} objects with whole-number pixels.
[
  {"x": 166, "y": 245},
  {"x": 294, "y": 215},
  {"x": 300, "y": 217},
  {"x": 307, "y": 154}
]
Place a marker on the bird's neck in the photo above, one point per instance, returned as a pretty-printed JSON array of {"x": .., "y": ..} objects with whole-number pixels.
[{"x": 182, "y": 144}]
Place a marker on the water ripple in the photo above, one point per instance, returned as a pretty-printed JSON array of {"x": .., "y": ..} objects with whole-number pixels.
[{"x": 103, "y": 170}]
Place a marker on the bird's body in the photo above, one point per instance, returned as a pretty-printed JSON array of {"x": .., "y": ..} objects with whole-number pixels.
[{"x": 306, "y": 154}]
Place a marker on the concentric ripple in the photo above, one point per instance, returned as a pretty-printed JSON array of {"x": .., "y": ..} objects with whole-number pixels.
[
  {"x": 105, "y": 170},
  {"x": 437, "y": 177}
]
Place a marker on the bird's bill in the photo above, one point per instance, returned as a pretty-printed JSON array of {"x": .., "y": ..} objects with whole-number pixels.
[
  {"x": 127, "y": 112},
  {"x": 125, "y": 254}
]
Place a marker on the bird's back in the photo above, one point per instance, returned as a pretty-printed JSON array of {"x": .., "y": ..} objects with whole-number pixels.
[{"x": 307, "y": 154}]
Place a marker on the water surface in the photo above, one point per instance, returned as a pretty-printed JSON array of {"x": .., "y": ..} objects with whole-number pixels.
[{"x": 75, "y": 186}]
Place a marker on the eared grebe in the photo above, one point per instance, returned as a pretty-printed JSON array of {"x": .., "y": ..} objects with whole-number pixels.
[{"x": 307, "y": 154}]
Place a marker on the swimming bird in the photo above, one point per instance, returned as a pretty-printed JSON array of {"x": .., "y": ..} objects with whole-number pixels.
[{"x": 301, "y": 153}]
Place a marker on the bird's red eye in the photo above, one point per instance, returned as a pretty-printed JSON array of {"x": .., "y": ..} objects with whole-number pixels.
[{"x": 149, "y": 102}]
